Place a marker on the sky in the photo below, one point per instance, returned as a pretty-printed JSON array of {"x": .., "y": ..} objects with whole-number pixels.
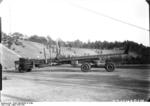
[{"x": 86, "y": 20}]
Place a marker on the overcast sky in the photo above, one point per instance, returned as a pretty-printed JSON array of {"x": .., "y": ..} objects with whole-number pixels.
[{"x": 77, "y": 19}]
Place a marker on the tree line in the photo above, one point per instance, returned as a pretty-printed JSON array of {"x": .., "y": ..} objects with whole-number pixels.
[{"x": 134, "y": 47}]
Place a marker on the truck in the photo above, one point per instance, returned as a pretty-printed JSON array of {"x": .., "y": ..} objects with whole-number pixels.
[{"x": 87, "y": 62}]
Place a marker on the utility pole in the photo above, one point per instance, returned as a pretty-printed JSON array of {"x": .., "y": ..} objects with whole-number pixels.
[
  {"x": 148, "y": 1},
  {"x": 0, "y": 60},
  {"x": 0, "y": 63}
]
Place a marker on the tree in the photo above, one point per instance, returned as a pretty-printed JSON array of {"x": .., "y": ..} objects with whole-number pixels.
[
  {"x": 39, "y": 39},
  {"x": 17, "y": 35},
  {"x": 78, "y": 43}
]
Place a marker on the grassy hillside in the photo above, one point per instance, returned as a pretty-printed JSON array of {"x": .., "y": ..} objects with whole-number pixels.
[
  {"x": 29, "y": 49},
  {"x": 7, "y": 57},
  {"x": 35, "y": 50}
]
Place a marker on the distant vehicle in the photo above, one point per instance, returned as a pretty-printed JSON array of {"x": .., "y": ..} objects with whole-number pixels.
[{"x": 87, "y": 62}]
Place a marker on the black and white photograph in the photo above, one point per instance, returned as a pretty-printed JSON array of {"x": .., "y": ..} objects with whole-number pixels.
[{"x": 74, "y": 51}]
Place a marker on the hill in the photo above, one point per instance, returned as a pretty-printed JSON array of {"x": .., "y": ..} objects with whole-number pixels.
[
  {"x": 7, "y": 57},
  {"x": 30, "y": 49}
]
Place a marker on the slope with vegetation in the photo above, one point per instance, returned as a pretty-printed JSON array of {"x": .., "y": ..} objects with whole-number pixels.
[{"x": 7, "y": 57}]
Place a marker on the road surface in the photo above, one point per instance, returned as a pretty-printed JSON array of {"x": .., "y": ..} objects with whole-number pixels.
[{"x": 70, "y": 84}]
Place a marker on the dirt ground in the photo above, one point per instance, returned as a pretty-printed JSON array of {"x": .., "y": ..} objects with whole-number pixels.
[{"x": 70, "y": 84}]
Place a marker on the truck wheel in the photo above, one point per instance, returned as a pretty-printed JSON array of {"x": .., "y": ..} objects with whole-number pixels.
[
  {"x": 110, "y": 67},
  {"x": 20, "y": 70},
  {"x": 85, "y": 67}
]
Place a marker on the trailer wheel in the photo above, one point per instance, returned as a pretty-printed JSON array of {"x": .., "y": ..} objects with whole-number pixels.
[
  {"x": 110, "y": 67},
  {"x": 85, "y": 67}
]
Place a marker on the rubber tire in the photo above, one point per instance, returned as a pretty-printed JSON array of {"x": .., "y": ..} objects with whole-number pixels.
[
  {"x": 85, "y": 67},
  {"x": 20, "y": 70},
  {"x": 110, "y": 67}
]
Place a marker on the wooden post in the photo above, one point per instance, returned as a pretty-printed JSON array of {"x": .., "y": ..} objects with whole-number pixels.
[
  {"x": 45, "y": 55},
  {"x": 50, "y": 51}
]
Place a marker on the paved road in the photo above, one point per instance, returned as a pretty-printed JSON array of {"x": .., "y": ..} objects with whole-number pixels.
[{"x": 69, "y": 84}]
